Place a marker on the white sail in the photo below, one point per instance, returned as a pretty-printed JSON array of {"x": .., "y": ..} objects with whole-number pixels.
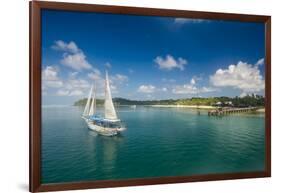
[
  {"x": 93, "y": 103},
  {"x": 86, "y": 110},
  {"x": 109, "y": 110}
]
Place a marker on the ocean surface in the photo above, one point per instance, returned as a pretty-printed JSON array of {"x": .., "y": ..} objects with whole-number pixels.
[{"x": 158, "y": 142}]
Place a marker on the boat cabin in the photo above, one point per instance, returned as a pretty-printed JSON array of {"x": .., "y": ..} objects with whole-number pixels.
[{"x": 105, "y": 122}]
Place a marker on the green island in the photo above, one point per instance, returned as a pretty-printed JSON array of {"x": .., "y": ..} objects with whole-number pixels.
[{"x": 246, "y": 101}]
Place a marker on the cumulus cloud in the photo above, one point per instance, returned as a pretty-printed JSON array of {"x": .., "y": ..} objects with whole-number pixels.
[
  {"x": 73, "y": 57},
  {"x": 243, "y": 94},
  {"x": 50, "y": 77},
  {"x": 191, "y": 88},
  {"x": 62, "y": 92},
  {"x": 76, "y": 93},
  {"x": 170, "y": 62},
  {"x": 120, "y": 78},
  {"x": 71, "y": 86},
  {"x": 205, "y": 89},
  {"x": 115, "y": 80},
  {"x": 75, "y": 61},
  {"x": 73, "y": 74},
  {"x": 66, "y": 47},
  {"x": 146, "y": 89},
  {"x": 192, "y": 81},
  {"x": 185, "y": 89},
  {"x": 243, "y": 76},
  {"x": 95, "y": 75},
  {"x": 77, "y": 84},
  {"x": 260, "y": 62},
  {"x": 189, "y": 20},
  {"x": 50, "y": 73},
  {"x": 74, "y": 87}
]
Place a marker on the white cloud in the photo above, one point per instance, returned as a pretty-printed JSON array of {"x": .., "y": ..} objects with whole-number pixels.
[
  {"x": 74, "y": 87},
  {"x": 50, "y": 77},
  {"x": 75, "y": 61},
  {"x": 243, "y": 94},
  {"x": 77, "y": 84},
  {"x": 170, "y": 62},
  {"x": 73, "y": 74},
  {"x": 115, "y": 80},
  {"x": 191, "y": 89},
  {"x": 76, "y": 93},
  {"x": 192, "y": 81},
  {"x": 95, "y": 75},
  {"x": 243, "y": 76},
  {"x": 71, "y": 86},
  {"x": 198, "y": 78},
  {"x": 164, "y": 89},
  {"x": 146, "y": 89},
  {"x": 54, "y": 84},
  {"x": 207, "y": 89},
  {"x": 50, "y": 73},
  {"x": 189, "y": 20},
  {"x": 66, "y": 47},
  {"x": 119, "y": 78},
  {"x": 185, "y": 89},
  {"x": 73, "y": 57},
  {"x": 62, "y": 92},
  {"x": 113, "y": 89},
  {"x": 260, "y": 62}
]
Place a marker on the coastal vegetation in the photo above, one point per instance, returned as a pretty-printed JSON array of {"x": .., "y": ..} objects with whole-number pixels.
[{"x": 246, "y": 101}]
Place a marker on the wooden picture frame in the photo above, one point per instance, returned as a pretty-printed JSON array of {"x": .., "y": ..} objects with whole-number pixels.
[{"x": 35, "y": 94}]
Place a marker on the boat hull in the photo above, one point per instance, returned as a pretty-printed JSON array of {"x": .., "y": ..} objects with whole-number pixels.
[{"x": 103, "y": 130}]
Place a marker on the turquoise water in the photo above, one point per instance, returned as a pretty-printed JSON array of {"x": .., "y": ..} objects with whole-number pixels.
[{"x": 158, "y": 142}]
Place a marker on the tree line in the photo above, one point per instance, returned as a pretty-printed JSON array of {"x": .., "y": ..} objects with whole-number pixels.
[{"x": 246, "y": 101}]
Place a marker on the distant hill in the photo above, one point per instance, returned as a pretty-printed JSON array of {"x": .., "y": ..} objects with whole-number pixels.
[{"x": 249, "y": 100}]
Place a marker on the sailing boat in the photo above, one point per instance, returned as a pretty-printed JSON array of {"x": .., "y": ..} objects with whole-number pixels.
[{"x": 109, "y": 125}]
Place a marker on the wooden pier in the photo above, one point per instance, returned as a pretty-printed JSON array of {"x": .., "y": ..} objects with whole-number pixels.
[{"x": 226, "y": 111}]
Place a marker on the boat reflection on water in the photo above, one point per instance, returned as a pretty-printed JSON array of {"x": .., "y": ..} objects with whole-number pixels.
[{"x": 110, "y": 147}]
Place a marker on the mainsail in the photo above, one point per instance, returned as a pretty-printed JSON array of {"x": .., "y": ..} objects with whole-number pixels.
[
  {"x": 86, "y": 110},
  {"x": 109, "y": 110},
  {"x": 93, "y": 103}
]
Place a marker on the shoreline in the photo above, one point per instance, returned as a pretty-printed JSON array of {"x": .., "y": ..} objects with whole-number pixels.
[
  {"x": 261, "y": 110},
  {"x": 202, "y": 107},
  {"x": 185, "y": 106}
]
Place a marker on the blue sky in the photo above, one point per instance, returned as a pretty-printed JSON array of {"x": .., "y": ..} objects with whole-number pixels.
[{"x": 149, "y": 57}]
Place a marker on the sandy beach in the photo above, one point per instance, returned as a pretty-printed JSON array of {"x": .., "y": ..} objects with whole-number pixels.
[
  {"x": 206, "y": 107},
  {"x": 185, "y": 106},
  {"x": 261, "y": 110}
]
